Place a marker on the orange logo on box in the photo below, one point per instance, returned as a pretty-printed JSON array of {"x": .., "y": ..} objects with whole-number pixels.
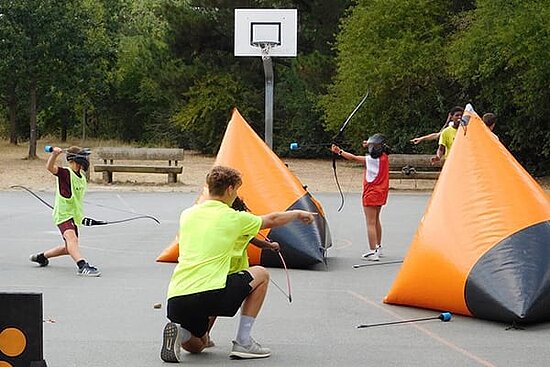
[{"x": 12, "y": 344}]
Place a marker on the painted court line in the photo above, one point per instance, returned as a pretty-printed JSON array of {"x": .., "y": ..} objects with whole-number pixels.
[{"x": 431, "y": 334}]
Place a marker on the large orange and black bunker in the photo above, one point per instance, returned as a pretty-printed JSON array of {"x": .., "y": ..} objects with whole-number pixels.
[
  {"x": 268, "y": 186},
  {"x": 482, "y": 248}
]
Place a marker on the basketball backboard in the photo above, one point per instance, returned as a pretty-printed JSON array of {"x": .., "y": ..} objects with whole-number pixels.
[{"x": 276, "y": 28}]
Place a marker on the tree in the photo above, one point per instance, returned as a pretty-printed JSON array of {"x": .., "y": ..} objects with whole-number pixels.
[
  {"x": 501, "y": 59},
  {"x": 54, "y": 43},
  {"x": 396, "y": 50},
  {"x": 11, "y": 57},
  {"x": 201, "y": 35}
]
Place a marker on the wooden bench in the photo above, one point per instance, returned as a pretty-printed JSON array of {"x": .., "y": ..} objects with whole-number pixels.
[
  {"x": 413, "y": 166},
  {"x": 109, "y": 155}
]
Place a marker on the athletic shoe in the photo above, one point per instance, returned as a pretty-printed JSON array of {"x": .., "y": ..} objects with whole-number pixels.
[
  {"x": 88, "y": 271},
  {"x": 254, "y": 350},
  {"x": 372, "y": 255},
  {"x": 171, "y": 343},
  {"x": 34, "y": 258},
  {"x": 379, "y": 249}
]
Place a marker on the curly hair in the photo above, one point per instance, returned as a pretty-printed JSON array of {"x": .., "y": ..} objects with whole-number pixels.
[{"x": 220, "y": 178}]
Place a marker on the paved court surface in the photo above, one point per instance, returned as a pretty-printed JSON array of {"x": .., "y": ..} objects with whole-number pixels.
[{"x": 110, "y": 321}]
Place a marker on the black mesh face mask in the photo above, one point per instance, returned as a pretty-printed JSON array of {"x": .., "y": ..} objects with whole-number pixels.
[
  {"x": 376, "y": 150},
  {"x": 81, "y": 158},
  {"x": 376, "y": 145}
]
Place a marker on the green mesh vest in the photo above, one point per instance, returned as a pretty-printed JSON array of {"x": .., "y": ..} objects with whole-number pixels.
[{"x": 67, "y": 208}]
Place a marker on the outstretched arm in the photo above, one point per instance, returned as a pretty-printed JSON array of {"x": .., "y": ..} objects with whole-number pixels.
[
  {"x": 352, "y": 157},
  {"x": 277, "y": 219},
  {"x": 420, "y": 139}
]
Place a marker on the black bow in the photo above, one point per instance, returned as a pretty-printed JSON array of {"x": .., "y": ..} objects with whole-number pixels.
[
  {"x": 89, "y": 222},
  {"x": 336, "y": 139}
]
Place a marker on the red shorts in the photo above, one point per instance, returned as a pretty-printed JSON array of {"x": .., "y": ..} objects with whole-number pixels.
[
  {"x": 66, "y": 225},
  {"x": 374, "y": 196}
]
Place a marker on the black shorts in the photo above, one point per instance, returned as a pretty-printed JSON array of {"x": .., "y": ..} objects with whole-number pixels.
[{"x": 193, "y": 310}]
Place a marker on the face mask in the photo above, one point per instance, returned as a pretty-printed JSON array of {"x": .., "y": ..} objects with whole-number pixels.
[{"x": 376, "y": 151}]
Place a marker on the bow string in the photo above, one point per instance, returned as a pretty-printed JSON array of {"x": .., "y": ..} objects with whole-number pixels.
[{"x": 88, "y": 222}]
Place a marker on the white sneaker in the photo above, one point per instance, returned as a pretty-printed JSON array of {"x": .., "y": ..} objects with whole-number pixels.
[
  {"x": 379, "y": 249},
  {"x": 371, "y": 255},
  {"x": 254, "y": 350}
]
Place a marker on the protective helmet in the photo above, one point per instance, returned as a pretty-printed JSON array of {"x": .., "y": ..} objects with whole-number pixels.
[
  {"x": 376, "y": 145},
  {"x": 377, "y": 139},
  {"x": 79, "y": 156}
]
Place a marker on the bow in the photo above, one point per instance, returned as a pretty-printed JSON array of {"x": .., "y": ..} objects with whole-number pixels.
[
  {"x": 289, "y": 294},
  {"x": 335, "y": 140},
  {"x": 89, "y": 222}
]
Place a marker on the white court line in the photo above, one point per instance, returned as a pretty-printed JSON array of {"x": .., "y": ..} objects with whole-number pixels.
[
  {"x": 126, "y": 204},
  {"x": 432, "y": 335},
  {"x": 341, "y": 244}
]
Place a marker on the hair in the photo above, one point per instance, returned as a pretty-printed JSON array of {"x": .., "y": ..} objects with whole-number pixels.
[
  {"x": 220, "y": 178},
  {"x": 490, "y": 119},
  {"x": 74, "y": 149},
  {"x": 239, "y": 205},
  {"x": 456, "y": 109},
  {"x": 79, "y": 156}
]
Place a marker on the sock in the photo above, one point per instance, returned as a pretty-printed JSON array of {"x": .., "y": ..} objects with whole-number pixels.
[
  {"x": 81, "y": 263},
  {"x": 243, "y": 332},
  {"x": 185, "y": 334}
]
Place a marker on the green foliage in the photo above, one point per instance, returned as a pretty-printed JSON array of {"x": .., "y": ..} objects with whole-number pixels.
[
  {"x": 207, "y": 110},
  {"x": 163, "y": 72},
  {"x": 395, "y": 50},
  {"x": 502, "y": 61}
]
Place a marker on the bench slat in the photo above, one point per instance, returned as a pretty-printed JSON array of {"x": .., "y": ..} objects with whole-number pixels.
[
  {"x": 419, "y": 175},
  {"x": 398, "y": 161},
  {"x": 130, "y": 154},
  {"x": 137, "y": 168}
]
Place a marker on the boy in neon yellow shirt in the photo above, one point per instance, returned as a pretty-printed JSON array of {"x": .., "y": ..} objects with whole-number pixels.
[
  {"x": 448, "y": 135},
  {"x": 201, "y": 286},
  {"x": 68, "y": 208}
]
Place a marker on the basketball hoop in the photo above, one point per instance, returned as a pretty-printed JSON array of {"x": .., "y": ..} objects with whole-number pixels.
[{"x": 265, "y": 48}]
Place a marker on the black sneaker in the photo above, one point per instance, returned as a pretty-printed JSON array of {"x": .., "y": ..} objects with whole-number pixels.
[
  {"x": 42, "y": 263},
  {"x": 88, "y": 271},
  {"x": 171, "y": 343}
]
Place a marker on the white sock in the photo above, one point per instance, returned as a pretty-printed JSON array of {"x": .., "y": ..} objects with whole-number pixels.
[
  {"x": 243, "y": 332},
  {"x": 185, "y": 334}
]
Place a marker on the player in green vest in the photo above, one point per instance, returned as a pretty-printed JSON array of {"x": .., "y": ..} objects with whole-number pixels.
[{"x": 68, "y": 208}]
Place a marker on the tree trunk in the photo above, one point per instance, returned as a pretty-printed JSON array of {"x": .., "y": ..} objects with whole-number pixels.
[
  {"x": 33, "y": 136},
  {"x": 64, "y": 123},
  {"x": 12, "y": 107}
]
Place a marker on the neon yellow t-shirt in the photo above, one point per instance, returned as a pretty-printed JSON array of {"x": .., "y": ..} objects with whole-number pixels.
[
  {"x": 209, "y": 234},
  {"x": 447, "y": 138},
  {"x": 67, "y": 208},
  {"x": 239, "y": 258}
]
